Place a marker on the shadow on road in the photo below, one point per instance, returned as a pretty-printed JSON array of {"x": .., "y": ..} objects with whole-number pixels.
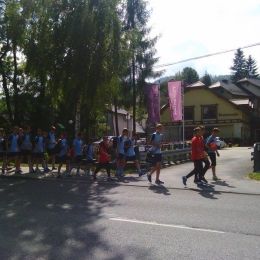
[
  {"x": 57, "y": 220},
  {"x": 159, "y": 190}
]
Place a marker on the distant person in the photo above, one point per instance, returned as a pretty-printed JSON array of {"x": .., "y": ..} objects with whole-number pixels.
[
  {"x": 213, "y": 153},
  {"x": 26, "y": 148},
  {"x": 51, "y": 146},
  {"x": 197, "y": 155},
  {"x": 103, "y": 159},
  {"x": 130, "y": 155},
  {"x": 77, "y": 153},
  {"x": 3, "y": 149},
  {"x": 88, "y": 150},
  {"x": 64, "y": 156},
  {"x": 156, "y": 142},
  {"x": 13, "y": 149}
]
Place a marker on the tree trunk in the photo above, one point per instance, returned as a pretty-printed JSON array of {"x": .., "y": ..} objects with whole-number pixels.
[
  {"x": 134, "y": 97},
  {"x": 7, "y": 95},
  {"x": 116, "y": 117}
]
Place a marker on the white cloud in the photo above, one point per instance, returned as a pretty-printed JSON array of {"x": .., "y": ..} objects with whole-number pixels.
[{"x": 195, "y": 28}]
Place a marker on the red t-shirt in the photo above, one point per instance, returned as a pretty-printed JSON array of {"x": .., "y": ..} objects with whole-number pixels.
[
  {"x": 202, "y": 144},
  {"x": 196, "y": 143},
  {"x": 102, "y": 158}
]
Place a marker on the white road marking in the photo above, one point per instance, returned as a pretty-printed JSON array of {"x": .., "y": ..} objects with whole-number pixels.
[{"x": 166, "y": 225}]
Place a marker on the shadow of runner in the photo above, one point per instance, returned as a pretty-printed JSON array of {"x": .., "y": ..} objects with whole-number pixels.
[
  {"x": 54, "y": 220},
  {"x": 208, "y": 192},
  {"x": 159, "y": 190},
  {"x": 223, "y": 183}
]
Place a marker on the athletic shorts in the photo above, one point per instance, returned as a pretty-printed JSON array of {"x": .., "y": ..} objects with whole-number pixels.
[
  {"x": 130, "y": 158},
  {"x": 78, "y": 158},
  {"x": 51, "y": 151},
  {"x": 12, "y": 154},
  {"x": 38, "y": 155},
  {"x": 213, "y": 159},
  {"x": 121, "y": 156},
  {"x": 26, "y": 152},
  {"x": 64, "y": 158},
  {"x": 158, "y": 157},
  {"x": 89, "y": 161},
  {"x": 2, "y": 154}
]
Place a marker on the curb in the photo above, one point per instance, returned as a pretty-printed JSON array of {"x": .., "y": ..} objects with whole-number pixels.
[{"x": 127, "y": 184}]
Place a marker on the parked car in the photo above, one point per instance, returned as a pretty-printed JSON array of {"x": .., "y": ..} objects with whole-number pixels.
[{"x": 220, "y": 143}]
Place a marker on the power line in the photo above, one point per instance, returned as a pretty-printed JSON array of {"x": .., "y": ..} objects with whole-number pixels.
[{"x": 204, "y": 56}]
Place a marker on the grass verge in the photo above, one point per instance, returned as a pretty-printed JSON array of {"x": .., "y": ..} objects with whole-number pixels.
[{"x": 254, "y": 176}]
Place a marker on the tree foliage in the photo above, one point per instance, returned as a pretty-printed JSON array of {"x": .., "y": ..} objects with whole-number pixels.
[
  {"x": 238, "y": 69},
  {"x": 251, "y": 68},
  {"x": 206, "y": 79},
  {"x": 190, "y": 75}
]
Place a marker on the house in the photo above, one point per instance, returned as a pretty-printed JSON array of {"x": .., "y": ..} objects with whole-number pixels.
[{"x": 203, "y": 106}]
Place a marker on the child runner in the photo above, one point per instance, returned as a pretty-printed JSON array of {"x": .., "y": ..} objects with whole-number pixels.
[
  {"x": 88, "y": 150},
  {"x": 213, "y": 152},
  {"x": 197, "y": 156},
  {"x": 103, "y": 159},
  {"x": 26, "y": 148},
  {"x": 64, "y": 155},
  {"x": 77, "y": 152},
  {"x": 156, "y": 142},
  {"x": 51, "y": 147},
  {"x": 13, "y": 149},
  {"x": 130, "y": 154}
]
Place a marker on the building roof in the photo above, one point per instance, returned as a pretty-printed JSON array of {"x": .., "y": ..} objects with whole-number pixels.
[
  {"x": 196, "y": 85},
  {"x": 242, "y": 102},
  {"x": 232, "y": 88},
  {"x": 255, "y": 82}
]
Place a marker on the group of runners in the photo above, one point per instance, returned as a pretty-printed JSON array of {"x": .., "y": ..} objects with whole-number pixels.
[{"x": 44, "y": 147}]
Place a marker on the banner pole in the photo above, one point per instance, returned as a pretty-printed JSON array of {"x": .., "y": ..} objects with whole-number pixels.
[
  {"x": 183, "y": 124},
  {"x": 159, "y": 93}
]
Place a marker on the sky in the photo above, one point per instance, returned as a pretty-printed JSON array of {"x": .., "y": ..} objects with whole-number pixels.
[{"x": 190, "y": 28}]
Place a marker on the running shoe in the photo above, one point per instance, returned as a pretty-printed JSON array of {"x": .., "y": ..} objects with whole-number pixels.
[
  {"x": 200, "y": 184},
  {"x": 54, "y": 168},
  {"x": 94, "y": 177},
  {"x": 204, "y": 180},
  {"x": 58, "y": 176},
  {"x": 184, "y": 180},
  {"x": 159, "y": 182},
  {"x": 32, "y": 171},
  {"x": 109, "y": 179},
  {"x": 149, "y": 177},
  {"x": 3, "y": 171},
  {"x": 215, "y": 178},
  {"x": 17, "y": 172}
]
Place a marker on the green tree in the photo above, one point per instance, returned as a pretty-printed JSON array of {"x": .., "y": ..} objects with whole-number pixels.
[
  {"x": 251, "y": 68},
  {"x": 238, "y": 69},
  {"x": 206, "y": 79},
  {"x": 190, "y": 75}
]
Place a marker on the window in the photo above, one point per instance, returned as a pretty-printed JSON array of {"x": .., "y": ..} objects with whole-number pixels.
[
  {"x": 188, "y": 113},
  {"x": 209, "y": 112}
]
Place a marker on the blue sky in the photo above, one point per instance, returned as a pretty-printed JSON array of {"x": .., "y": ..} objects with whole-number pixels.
[{"x": 191, "y": 28}]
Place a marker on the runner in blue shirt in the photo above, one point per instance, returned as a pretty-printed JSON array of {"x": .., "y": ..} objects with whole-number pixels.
[
  {"x": 88, "y": 150},
  {"x": 156, "y": 142},
  {"x": 120, "y": 153},
  {"x": 64, "y": 156},
  {"x": 51, "y": 142},
  {"x": 77, "y": 152},
  {"x": 130, "y": 153},
  {"x": 13, "y": 149}
]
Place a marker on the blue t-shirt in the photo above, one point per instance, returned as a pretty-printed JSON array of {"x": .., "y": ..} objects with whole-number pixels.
[
  {"x": 13, "y": 144},
  {"x": 78, "y": 145},
  {"x": 211, "y": 139},
  {"x": 157, "y": 138},
  {"x": 131, "y": 150},
  {"x": 51, "y": 141},
  {"x": 26, "y": 139},
  {"x": 89, "y": 152},
  {"x": 121, "y": 141},
  {"x": 64, "y": 143},
  {"x": 40, "y": 143}
]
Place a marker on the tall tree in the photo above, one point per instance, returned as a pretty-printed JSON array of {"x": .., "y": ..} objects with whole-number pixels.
[
  {"x": 238, "y": 69},
  {"x": 206, "y": 79},
  {"x": 135, "y": 20},
  {"x": 251, "y": 68},
  {"x": 190, "y": 75}
]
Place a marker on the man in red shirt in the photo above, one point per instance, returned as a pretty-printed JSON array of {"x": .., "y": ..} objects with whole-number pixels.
[
  {"x": 197, "y": 155},
  {"x": 103, "y": 159}
]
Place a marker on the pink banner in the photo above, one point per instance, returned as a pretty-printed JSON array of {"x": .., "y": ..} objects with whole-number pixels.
[
  {"x": 152, "y": 94},
  {"x": 174, "y": 90}
]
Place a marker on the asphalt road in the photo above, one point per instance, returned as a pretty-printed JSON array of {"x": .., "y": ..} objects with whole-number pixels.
[{"x": 66, "y": 220}]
